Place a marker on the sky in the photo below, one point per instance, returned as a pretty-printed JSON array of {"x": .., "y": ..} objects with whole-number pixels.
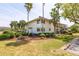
[{"x": 16, "y": 11}]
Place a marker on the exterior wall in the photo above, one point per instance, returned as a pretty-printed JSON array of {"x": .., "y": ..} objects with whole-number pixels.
[{"x": 34, "y": 26}]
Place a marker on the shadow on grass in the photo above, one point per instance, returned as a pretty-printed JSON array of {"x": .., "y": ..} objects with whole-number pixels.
[{"x": 16, "y": 43}]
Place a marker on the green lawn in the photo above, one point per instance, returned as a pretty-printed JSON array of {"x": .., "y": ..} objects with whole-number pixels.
[{"x": 50, "y": 47}]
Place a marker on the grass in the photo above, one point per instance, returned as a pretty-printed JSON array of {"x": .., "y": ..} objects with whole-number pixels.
[
  {"x": 76, "y": 34},
  {"x": 50, "y": 47},
  {"x": 1, "y": 32}
]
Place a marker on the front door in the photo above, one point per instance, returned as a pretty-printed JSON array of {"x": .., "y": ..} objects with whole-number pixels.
[{"x": 30, "y": 30}]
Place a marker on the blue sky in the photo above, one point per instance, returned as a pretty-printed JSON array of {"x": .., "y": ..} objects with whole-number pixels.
[{"x": 17, "y": 11}]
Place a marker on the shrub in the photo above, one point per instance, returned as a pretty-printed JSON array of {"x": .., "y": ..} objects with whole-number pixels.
[
  {"x": 29, "y": 34},
  {"x": 66, "y": 32},
  {"x": 11, "y": 33},
  {"x": 46, "y": 34},
  {"x": 36, "y": 34},
  {"x": 69, "y": 33},
  {"x": 4, "y": 36},
  {"x": 24, "y": 33},
  {"x": 74, "y": 28},
  {"x": 52, "y": 34},
  {"x": 17, "y": 34},
  {"x": 65, "y": 38},
  {"x": 42, "y": 35},
  {"x": 5, "y": 32}
]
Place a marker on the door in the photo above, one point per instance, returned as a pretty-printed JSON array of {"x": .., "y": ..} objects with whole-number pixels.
[{"x": 30, "y": 30}]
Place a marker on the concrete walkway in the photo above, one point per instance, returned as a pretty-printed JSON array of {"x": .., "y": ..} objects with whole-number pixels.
[{"x": 72, "y": 47}]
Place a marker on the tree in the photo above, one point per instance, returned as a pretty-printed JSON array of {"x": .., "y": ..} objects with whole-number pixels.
[
  {"x": 28, "y": 6},
  {"x": 18, "y": 26},
  {"x": 43, "y": 4},
  {"x": 74, "y": 28},
  {"x": 22, "y": 25},
  {"x": 57, "y": 6},
  {"x": 14, "y": 25},
  {"x": 70, "y": 11},
  {"x": 55, "y": 16}
]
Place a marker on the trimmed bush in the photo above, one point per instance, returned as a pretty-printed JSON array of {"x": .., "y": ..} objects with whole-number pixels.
[
  {"x": 42, "y": 35},
  {"x": 17, "y": 34},
  {"x": 46, "y": 34},
  {"x": 4, "y": 36},
  {"x": 11, "y": 33}
]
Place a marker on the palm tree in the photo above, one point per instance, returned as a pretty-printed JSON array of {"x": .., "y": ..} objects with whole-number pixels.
[
  {"x": 28, "y": 6},
  {"x": 43, "y": 4},
  {"x": 22, "y": 24},
  {"x": 14, "y": 25}
]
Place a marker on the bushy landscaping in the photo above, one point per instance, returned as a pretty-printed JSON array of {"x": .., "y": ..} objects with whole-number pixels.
[
  {"x": 6, "y": 35},
  {"x": 75, "y": 28},
  {"x": 65, "y": 38},
  {"x": 46, "y": 34},
  {"x": 10, "y": 34}
]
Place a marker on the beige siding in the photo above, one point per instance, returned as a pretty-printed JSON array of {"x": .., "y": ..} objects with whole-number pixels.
[{"x": 34, "y": 26}]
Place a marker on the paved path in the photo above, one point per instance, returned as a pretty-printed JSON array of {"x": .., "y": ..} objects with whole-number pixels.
[{"x": 72, "y": 47}]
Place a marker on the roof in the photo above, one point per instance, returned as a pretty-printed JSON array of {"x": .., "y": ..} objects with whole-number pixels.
[
  {"x": 39, "y": 18},
  {"x": 42, "y": 18}
]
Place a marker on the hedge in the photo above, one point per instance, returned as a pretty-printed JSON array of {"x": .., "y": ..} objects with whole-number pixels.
[
  {"x": 47, "y": 34},
  {"x": 11, "y": 33},
  {"x": 4, "y": 36}
]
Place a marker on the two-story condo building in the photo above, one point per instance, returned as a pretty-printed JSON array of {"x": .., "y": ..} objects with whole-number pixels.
[{"x": 39, "y": 25}]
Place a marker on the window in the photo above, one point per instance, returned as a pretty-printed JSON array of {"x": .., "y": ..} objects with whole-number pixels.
[
  {"x": 38, "y": 29},
  {"x": 38, "y": 21},
  {"x": 49, "y": 29},
  {"x": 30, "y": 27},
  {"x": 43, "y": 21},
  {"x": 49, "y": 22},
  {"x": 43, "y": 29}
]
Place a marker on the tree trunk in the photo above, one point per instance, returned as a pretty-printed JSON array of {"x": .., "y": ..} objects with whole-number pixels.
[
  {"x": 43, "y": 10},
  {"x": 54, "y": 29},
  {"x": 43, "y": 16},
  {"x": 28, "y": 21}
]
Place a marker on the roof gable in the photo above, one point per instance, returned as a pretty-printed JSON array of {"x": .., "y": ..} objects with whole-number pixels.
[{"x": 39, "y": 18}]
